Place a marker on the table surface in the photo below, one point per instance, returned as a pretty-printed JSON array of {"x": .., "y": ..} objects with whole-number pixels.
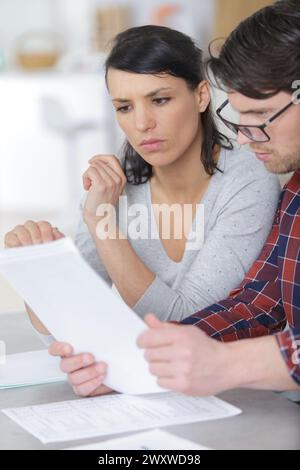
[{"x": 268, "y": 420}]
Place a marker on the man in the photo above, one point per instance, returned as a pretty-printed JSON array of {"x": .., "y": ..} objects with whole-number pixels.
[{"x": 259, "y": 65}]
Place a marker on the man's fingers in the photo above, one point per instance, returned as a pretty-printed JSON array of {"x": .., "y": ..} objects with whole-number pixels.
[
  {"x": 76, "y": 362},
  {"x": 102, "y": 390},
  {"x": 87, "y": 373},
  {"x": 158, "y": 337},
  {"x": 169, "y": 383},
  {"x": 87, "y": 388},
  {"x": 152, "y": 321},
  {"x": 164, "y": 354},
  {"x": 60, "y": 349},
  {"x": 162, "y": 369}
]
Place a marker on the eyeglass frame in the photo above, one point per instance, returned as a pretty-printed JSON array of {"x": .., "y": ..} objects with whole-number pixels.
[{"x": 237, "y": 127}]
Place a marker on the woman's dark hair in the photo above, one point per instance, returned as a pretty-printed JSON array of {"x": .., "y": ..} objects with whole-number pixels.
[
  {"x": 262, "y": 55},
  {"x": 153, "y": 50}
]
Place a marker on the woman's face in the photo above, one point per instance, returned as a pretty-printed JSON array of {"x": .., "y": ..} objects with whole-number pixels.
[{"x": 158, "y": 114}]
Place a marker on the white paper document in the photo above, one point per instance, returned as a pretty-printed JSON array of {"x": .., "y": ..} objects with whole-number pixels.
[
  {"x": 77, "y": 307},
  {"x": 157, "y": 439},
  {"x": 30, "y": 368},
  {"x": 113, "y": 414}
]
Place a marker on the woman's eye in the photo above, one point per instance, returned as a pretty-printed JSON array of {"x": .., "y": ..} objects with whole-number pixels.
[
  {"x": 161, "y": 100},
  {"x": 123, "y": 109}
]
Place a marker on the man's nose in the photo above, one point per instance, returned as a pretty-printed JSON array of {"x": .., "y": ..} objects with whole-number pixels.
[{"x": 242, "y": 139}]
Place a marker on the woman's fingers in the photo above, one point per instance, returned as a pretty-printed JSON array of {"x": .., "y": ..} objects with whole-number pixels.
[
  {"x": 46, "y": 231},
  {"x": 11, "y": 240},
  {"x": 57, "y": 234},
  {"x": 34, "y": 230},
  {"x": 112, "y": 162},
  {"x": 89, "y": 177},
  {"x": 107, "y": 181},
  {"x": 24, "y": 236},
  {"x": 31, "y": 233}
]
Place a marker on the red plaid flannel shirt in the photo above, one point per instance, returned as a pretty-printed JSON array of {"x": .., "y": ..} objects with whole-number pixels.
[{"x": 269, "y": 296}]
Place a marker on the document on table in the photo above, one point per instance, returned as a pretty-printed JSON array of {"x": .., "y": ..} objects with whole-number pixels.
[
  {"x": 150, "y": 440},
  {"x": 77, "y": 307},
  {"x": 113, "y": 414},
  {"x": 30, "y": 368}
]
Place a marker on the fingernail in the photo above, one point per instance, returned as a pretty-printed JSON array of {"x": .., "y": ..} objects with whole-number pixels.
[
  {"x": 101, "y": 369},
  {"x": 87, "y": 360}
]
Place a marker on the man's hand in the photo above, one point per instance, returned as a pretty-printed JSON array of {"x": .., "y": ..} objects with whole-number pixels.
[
  {"x": 183, "y": 358},
  {"x": 84, "y": 374}
]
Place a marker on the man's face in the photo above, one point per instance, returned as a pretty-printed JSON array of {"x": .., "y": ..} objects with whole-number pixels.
[{"x": 282, "y": 153}]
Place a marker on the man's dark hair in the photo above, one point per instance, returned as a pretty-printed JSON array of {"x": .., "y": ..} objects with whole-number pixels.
[
  {"x": 154, "y": 50},
  {"x": 261, "y": 57}
]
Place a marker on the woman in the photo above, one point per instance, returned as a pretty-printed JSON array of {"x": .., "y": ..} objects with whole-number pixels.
[{"x": 173, "y": 154}]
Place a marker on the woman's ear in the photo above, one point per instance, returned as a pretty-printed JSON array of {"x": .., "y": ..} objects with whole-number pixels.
[{"x": 203, "y": 96}]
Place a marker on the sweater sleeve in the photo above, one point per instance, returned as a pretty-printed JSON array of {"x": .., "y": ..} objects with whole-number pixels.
[
  {"x": 87, "y": 248},
  {"x": 230, "y": 247}
]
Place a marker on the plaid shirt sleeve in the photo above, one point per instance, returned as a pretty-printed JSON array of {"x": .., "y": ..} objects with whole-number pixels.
[
  {"x": 289, "y": 344},
  {"x": 253, "y": 309},
  {"x": 270, "y": 293}
]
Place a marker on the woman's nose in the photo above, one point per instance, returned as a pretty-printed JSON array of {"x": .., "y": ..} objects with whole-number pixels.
[{"x": 144, "y": 121}]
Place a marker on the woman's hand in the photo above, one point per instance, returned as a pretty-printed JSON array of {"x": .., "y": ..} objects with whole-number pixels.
[
  {"x": 104, "y": 180},
  {"x": 84, "y": 374},
  {"x": 31, "y": 233}
]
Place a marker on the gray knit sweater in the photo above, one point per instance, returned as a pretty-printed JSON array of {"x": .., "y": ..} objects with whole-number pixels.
[{"x": 239, "y": 207}]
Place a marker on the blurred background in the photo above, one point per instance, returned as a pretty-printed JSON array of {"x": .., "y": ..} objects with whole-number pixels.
[{"x": 55, "y": 113}]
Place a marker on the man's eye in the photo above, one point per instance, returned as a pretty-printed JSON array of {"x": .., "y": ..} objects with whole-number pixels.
[{"x": 161, "y": 100}]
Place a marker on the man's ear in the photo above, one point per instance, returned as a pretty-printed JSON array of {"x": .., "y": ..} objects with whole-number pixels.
[{"x": 203, "y": 96}]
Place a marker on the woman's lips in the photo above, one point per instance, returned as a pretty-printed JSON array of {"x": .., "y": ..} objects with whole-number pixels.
[{"x": 152, "y": 144}]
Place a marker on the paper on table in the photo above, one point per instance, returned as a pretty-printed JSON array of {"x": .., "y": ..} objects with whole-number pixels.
[
  {"x": 30, "y": 368},
  {"x": 76, "y": 305},
  {"x": 150, "y": 440},
  {"x": 113, "y": 414}
]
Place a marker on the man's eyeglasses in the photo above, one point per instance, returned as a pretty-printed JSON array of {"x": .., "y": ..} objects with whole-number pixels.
[{"x": 254, "y": 133}]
